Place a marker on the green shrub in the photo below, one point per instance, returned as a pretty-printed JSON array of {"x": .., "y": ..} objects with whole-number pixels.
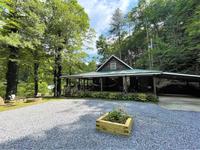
[
  {"x": 118, "y": 116},
  {"x": 2, "y": 89},
  {"x": 132, "y": 97},
  {"x": 113, "y": 95},
  {"x": 152, "y": 98},
  {"x": 27, "y": 89},
  {"x": 43, "y": 88},
  {"x": 142, "y": 97}
]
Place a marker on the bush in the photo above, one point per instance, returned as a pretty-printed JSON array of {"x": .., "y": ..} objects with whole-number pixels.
[
  {"x": 27, "y": 89},
  {"x": 142, "y": 97},
  {"x": 43, "y": 88},
  {"x": 2, "y": 89},
  {"x": 152, "y": 98}
]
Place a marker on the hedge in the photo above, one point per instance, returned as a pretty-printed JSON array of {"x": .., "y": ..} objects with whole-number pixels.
[{"x": 142, "y": 97}]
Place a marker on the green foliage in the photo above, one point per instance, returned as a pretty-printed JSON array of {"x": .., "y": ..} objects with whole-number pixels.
[
  {"x": 172, "y": 26},
  {"x": 43, "y": 88},
  {"x": 27, "y": 89},
  {"x": 2, "y": 89},
  {"x": 141, "y": 97},
  {"x": 152, "y": 98},
  {"x": 118, "y": 116},
  {"x": 38, "y": 31},
  {"x": 117, "y": 32},
  {"x": 104, "y": 48}
]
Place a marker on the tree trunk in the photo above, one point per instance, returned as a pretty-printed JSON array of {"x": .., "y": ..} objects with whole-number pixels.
[
  {"x": 12, "y": 73},
  {"x": 55, "y": 79},
  {"x": 59, "y": 73},
  {"x": 36, "y": 66}
]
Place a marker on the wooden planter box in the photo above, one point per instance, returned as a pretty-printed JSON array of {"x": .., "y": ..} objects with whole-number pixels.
[{"x": 112, "y": 127}]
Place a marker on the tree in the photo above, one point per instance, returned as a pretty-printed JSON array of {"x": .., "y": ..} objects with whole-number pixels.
[
  {"x": 35, "y": 33},
  {"x": 10, "y": 40},
  {"x": 116, "y": 28},
  {"x": 21, "y": 34},
  {"x": 103, "y": 48},
  {"x": 165, "y": 35},
  {"x": 67, "y": 26},
  {"x": 34, "y": 28}
]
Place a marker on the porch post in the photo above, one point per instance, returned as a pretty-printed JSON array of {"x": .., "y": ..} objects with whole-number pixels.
[
  {"x": 101, "y": 82},
  {"x": 66, "y": 82},
  {"x": 87, "y": 84},
  {"x": 124, "y": 84},
  {"x": 69, "y": 85},
  {"x": 84, "y": 85},
  {"x": 79, "y": 85},
  {"x": 154, "y": 86}
]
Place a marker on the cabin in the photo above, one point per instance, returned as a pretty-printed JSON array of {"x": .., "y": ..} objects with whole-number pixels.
[{"x": 117, "y": 76}]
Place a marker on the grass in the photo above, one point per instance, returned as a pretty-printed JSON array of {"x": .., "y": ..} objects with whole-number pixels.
[{"x": 20, "y": 104}]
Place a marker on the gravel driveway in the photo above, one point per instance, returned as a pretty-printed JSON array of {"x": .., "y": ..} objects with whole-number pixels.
[
  {"x": 180, "y": 103},
  {"x": 70, "y": 124}
]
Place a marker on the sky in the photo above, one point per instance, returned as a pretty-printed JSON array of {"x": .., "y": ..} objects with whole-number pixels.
[{"x": 100, "y": 13}]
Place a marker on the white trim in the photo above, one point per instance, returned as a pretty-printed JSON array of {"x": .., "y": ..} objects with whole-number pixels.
[
  {"x": 110, "y": 75},
  {"x": 113, "y": 66},
  {"x": 115, "y": 58},
  {"x": 101, "y": 74},
  {"x": 181, "y": 74}
]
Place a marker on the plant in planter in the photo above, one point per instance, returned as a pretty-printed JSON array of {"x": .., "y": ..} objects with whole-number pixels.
[{"x": 116, "y": 121}]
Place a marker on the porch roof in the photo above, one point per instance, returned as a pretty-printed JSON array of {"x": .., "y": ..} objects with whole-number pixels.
[
  {"x": 132, "y": 72},
  {"x": 114, "y": 73}
]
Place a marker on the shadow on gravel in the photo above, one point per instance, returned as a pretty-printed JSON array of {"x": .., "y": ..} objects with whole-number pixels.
[
  {"x": 78, "y": 135},
  {"x": 154, "y": 128}
]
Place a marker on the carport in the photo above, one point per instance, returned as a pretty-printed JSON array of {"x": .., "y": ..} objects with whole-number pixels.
[{"x": 178, "y": 84}]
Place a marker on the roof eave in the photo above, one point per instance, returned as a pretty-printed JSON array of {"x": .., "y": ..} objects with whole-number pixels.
[{"x": 111, "y": 75}]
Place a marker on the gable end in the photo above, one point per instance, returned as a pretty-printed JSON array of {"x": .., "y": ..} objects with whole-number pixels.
[{"x": 113, "y": 64}]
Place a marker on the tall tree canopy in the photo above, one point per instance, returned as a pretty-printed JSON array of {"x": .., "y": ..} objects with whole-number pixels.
[
  {"x": 164, "y": 35},
  {"x": 37, "y": 38}
]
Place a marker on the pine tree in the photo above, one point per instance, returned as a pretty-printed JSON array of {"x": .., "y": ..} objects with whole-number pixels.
[{"x": 116, "y": 28}]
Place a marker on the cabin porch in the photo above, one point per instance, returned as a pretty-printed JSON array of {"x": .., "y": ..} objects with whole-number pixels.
[{"x": 126, "y": 84}]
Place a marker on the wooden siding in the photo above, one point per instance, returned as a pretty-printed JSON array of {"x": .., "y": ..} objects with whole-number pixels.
[{"x": 119, "y": 65}]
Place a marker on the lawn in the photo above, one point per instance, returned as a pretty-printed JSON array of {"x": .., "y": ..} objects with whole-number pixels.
[{"x": 19, "y": 104}]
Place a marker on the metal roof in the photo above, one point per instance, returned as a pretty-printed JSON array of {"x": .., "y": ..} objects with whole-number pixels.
[
  {"x": 132, "y": 72},
  {"x": 114, "y": 73},
  {"x": 181, "y": 74}
]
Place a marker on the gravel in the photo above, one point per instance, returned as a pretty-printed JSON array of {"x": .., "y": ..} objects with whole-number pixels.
[{"x": 70, "y": 125}]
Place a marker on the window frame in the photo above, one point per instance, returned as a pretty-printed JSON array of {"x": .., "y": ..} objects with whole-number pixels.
[{"x": 113, "y": 66}]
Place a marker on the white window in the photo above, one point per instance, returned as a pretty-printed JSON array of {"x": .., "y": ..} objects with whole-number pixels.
[{"x": 113, "y": 66}]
